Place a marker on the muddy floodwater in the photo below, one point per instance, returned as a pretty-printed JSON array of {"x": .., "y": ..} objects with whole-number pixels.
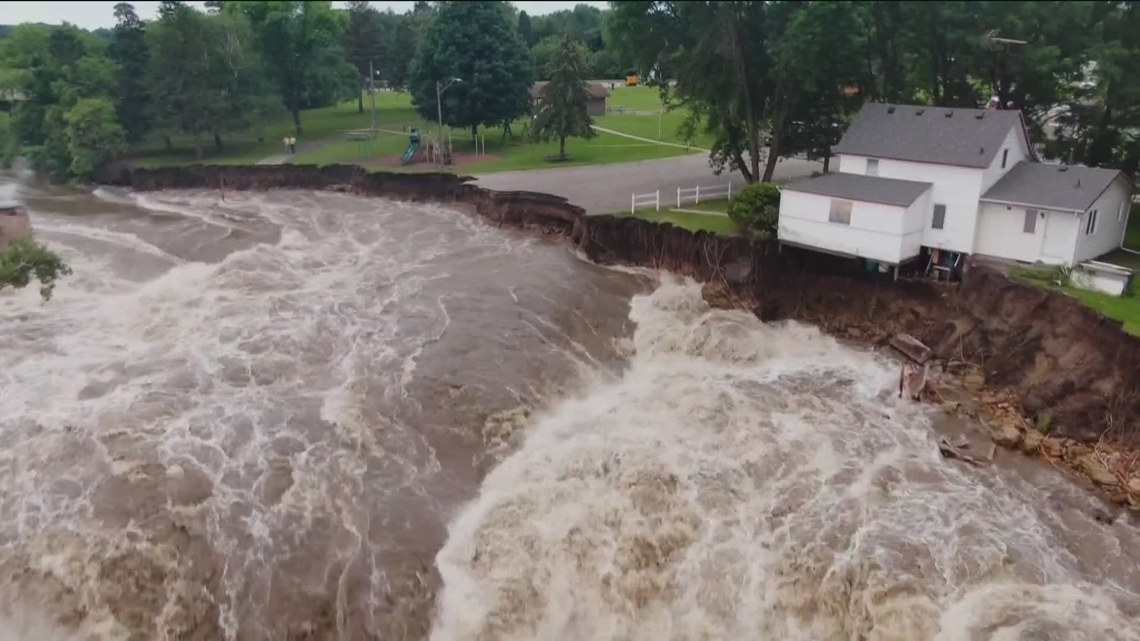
[{"x": 298, "y": 415}]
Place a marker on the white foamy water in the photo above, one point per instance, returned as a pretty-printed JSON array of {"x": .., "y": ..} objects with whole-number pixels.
[
  {"x": 251, "y": 418},
  {"x": 762, "y": 482}
]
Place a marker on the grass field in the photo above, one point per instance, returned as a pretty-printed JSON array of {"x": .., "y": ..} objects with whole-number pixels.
[
  {"x": 692, "y": 222},
  {"x": 325, "y": 138},
  {"x": 1122, "y": 308},
  {"x": 635, "y": 111}
]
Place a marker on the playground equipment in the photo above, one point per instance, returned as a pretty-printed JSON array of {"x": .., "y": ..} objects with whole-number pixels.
[{"x": 413, "y": 146}]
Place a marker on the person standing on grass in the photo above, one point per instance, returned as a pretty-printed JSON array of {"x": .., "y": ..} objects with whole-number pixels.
[
  {"x": 292, "y": 144},
  {"x": 285, "y": 141}
]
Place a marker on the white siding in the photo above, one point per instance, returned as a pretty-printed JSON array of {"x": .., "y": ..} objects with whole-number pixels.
[
  {"x": 1109, "y": 227},
  {"x": 878, "y": 232},
  {"x": 1015, "y": 143},
  {"x": 956, "y": 187},
  {"x": 1001, "y": 233}
]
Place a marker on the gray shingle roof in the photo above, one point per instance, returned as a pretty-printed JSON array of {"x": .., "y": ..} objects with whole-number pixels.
[
  {"x": 872, "y": 189},
  {"x": 901, "y": 132},
  {"x": 1071, "y": 188},
  {"x": 596, "y": 90}
]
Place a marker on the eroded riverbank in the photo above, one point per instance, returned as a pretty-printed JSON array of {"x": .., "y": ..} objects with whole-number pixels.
[{"x": 1049, "y": 363}]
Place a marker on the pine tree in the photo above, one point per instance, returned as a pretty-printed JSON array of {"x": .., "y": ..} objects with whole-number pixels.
[{"x": 563, "y": 104}]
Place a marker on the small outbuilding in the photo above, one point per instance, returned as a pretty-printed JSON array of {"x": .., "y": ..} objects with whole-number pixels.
[{"x": 598, "y": 96}]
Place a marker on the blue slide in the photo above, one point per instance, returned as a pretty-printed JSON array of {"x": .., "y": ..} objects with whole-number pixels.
[{"x": 410, "y": 153}]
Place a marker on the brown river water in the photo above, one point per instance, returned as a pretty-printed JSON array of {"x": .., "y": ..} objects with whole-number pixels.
[{"x": 298, "y": 415}]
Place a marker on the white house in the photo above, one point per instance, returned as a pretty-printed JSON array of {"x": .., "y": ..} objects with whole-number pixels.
[{"x": 937, "y": 184}]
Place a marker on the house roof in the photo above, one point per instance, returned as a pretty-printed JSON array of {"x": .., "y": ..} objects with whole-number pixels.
[
  {"x": 959, "y": 137},
  {"x": 1048, "y": 186},
  {"x": 596, "y": 90},
  {"x": 871, "y": 189}
]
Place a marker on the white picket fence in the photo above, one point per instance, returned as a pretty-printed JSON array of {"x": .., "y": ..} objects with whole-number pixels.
[
  {"x": 645, "y": 200},
  {"x": 695, "y": 194}
]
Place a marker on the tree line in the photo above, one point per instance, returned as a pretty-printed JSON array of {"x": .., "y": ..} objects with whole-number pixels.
[
  {"x": 789, "y": 75},
  {"x": 762, "y": 79}
]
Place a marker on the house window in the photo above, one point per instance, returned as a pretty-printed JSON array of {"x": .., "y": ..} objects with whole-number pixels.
[
  {"x": 840, "y": 212},
  {"x": 1004, "y": 157},
  {"x": 1030, "y": 224},
  {"x": 1090, "y": 226},
  {"x": 939, "y": 217},
  {"x": 872, "y": 166}
]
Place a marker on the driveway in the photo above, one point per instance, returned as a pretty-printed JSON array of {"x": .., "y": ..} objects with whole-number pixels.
[{"x": 606, "y": 189}]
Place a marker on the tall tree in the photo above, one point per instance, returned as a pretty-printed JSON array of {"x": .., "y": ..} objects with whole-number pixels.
[
  {"x": 564, "y": 101},
  {"x": 475, "y": 43},
  {"x": 526, "y": 31},
  {"x": 821, "y": 90},
  {"x": 300, "y": 43},
  {"x": 717, "y": 53},
  {"x": 363, "y": 44},
  {"x": 128, "y": 51}
]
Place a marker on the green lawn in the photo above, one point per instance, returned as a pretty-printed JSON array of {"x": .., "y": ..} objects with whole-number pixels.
[
  {"x": 636, "y": 111},
  {"x": 717, "y": 206},
  {"x": 692, "y": 222},
  {"x": 394, "y": 111},
  {"x": 1123, "y": 308}
]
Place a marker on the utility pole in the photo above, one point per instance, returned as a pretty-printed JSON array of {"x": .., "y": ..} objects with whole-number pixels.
[
  {"x": 372, "y": 90},
  {"x": 439, "y": 89}
]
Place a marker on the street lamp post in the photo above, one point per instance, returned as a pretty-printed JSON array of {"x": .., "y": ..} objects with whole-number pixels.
[
  {"x": 372, "y": 90},
  {"x": 439, "y": 89}
]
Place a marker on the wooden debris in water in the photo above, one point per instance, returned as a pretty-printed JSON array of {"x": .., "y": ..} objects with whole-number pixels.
[
  {"x": 950, "y": 451},
  {"x": 911, "y": 348}
]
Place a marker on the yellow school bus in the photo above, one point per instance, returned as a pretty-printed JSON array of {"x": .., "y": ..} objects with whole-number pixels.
[{"x": 632, "y": 79}]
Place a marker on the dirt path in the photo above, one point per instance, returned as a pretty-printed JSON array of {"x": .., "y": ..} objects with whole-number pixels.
[{"x": 613, "y": 132}]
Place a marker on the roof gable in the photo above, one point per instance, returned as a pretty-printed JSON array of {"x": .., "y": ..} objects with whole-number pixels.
[
  {"x": 940, "y": 135},
  {"x": 1047, "y": 186}
]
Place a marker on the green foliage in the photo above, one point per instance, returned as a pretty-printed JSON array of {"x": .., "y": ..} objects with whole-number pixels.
[
  {"x": 129, "y": 52},
  {"x": 363, "y": 42},
  {"x": 756, "y": 210},
  {"x": 24, "y": 260},
  {"x": 1044, "y": 422},
  {"x": 563, "y": 105},
  {"x": 93, "y": 134},
  {"x": 751, "y": 71},
  {"x": 476, "y": 43},
  {"x": 300, "y": 43}
]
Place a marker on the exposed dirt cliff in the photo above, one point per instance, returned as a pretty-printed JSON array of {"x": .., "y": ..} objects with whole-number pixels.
[{"x": 1075, "y": 373}]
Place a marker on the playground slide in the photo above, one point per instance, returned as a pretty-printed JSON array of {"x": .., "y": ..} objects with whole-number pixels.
[{"x": 410, "y": 153}]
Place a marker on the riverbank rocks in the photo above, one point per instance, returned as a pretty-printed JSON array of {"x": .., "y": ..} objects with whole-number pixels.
[{"x": 717, "y": 295}]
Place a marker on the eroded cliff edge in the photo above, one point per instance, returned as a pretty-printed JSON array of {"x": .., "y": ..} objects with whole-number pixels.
[{"x": 1072, "y": 371}]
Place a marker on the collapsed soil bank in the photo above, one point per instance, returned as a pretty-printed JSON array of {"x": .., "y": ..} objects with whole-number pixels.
[{"x": 1074, "y": 373}]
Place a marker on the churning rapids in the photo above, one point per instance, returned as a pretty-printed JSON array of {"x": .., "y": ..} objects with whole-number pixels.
[{"x": 299, "y": 415}]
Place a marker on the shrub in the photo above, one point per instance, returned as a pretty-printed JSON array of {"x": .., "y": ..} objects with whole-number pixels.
[{"x": 756, "y": 210}]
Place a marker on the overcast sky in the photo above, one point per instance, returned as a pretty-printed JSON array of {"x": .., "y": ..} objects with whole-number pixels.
[{"x": 92, "y": 15}]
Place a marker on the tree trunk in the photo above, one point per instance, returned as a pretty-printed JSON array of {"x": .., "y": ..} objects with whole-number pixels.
[
  {"x": 198, "y": 145},
  {"x": 295, "y": 109},
  {"x": 217, "y": 142},
  {"x": 827, "y": 161},
  {"x": 562, "y": 146},
  {"x": 360, "y": 101},
  {"x": 169, "y": 142},
  {"x": 474, "y": 133},
  {"x": 742, "y": 167}
]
